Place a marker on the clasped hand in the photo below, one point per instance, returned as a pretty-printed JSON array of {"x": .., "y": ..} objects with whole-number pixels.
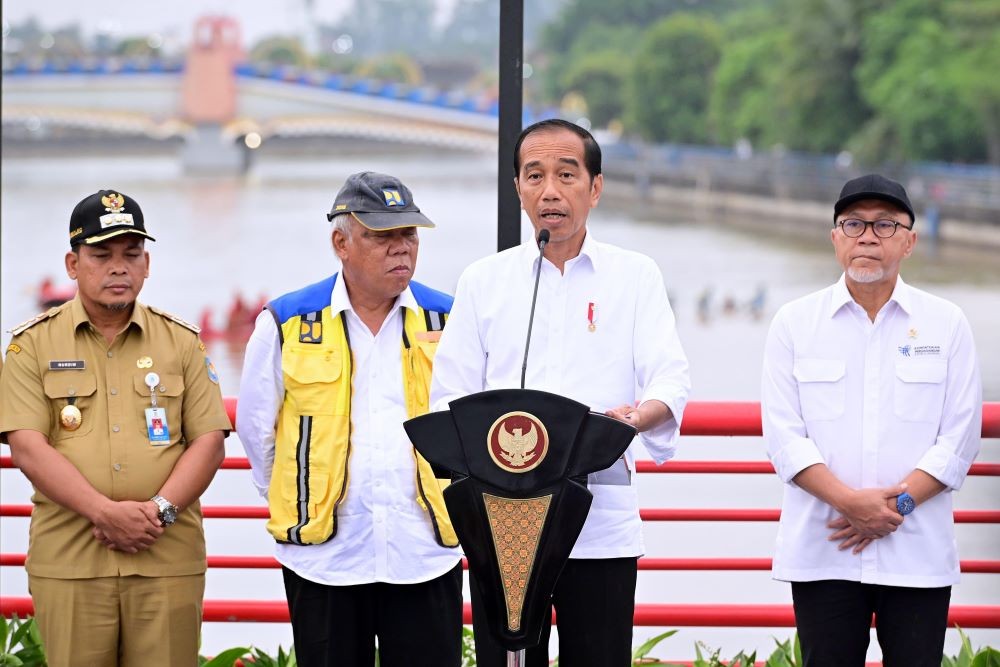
[
  {"x": 867, "y": 515},
  {"x": 128, "y": 526}
]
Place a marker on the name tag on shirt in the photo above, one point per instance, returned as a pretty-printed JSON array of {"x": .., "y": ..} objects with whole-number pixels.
[
  {"x": 67, "y": 365},
  {"x": 156, "y": 425}
]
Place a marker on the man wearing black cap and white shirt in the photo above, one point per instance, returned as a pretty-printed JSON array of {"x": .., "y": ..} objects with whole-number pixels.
[
  {"x": 114, "y": 413},
  {"x": 872, "y": 409},
  {"x": 331, "y": 373}
]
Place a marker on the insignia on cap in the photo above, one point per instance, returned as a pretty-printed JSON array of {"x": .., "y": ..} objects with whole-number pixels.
[
  {"x": 341, "y": 207},
  {"x": 392, "y": 197},
  {"x": 113, "y": 203},
  {"x": 518, "y": 442},
  {"x": 76, "y": 232}
]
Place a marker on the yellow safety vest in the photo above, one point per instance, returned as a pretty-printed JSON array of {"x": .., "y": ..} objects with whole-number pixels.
[{"x": 313, "y": 439}]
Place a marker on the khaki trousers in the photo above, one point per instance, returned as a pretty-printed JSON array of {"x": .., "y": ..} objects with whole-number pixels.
[{"x": 119, "y": 621}]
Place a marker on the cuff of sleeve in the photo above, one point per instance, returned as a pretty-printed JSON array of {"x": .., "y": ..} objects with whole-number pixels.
[
  {"x": 24, "y": 423},
  {"x": 795, "y": 457},
  {"x": 661, "y": 441},
  {"x": 942, "y": 464}
]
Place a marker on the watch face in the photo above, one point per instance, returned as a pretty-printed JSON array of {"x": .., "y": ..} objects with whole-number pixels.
[
  {"x": 168, "y": 516},
  {"x": 905, "y": 504}
]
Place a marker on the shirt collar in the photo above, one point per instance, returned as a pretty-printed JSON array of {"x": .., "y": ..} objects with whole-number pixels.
[
  {"x": 589, "y": 250},
  {"x": 340, "y": 301},
  {"x": 840, "y": 296},
  {"x": 80, "y": 314}
]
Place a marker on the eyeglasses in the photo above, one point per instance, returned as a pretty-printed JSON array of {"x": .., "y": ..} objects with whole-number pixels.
[{"x": 882, "y": 228}]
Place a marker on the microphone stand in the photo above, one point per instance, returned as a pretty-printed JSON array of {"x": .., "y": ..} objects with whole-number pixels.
[{"x": 543, "y": 239}]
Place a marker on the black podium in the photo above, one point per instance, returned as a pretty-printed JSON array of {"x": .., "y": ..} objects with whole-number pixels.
[{"x": 519, "y": 461}]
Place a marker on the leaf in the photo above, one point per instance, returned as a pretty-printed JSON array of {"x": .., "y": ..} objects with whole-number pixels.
[
  {"x": 10, "y": 660},
  {"x": 22, "y": 631},
  {"x": 987, "y": 657},
  {"x": 649, "y": 644},
  {"x": 3, "y": 633},
  {"x": 228, "y": 657}
]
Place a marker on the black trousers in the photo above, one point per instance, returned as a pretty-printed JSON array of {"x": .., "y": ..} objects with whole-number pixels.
[
  {"x": 594, "y": 601},
  {"x": 417, "y": 625},
  {"x": 833, "y": 619}
]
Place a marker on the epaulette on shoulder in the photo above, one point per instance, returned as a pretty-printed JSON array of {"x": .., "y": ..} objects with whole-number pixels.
[
  {"x": 41, "y": 317},
  {"x": 174, "y": 318}
]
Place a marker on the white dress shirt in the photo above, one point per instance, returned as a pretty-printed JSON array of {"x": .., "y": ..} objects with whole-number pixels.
[
  {"x": 873, "y": 401},
  {"x": 632, "y": 354},
  {"x": 382, "y": 534}
]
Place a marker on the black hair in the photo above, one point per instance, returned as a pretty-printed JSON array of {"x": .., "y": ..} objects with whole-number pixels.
[{"x": 591, "y": 151}]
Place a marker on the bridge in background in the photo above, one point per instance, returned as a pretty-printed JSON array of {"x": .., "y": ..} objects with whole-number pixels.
[{"x": 214, "y": 101}]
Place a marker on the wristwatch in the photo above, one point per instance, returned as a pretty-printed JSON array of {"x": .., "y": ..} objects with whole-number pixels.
[
  {"x": 168, "y": 511},
  {"x": 905, "y": 503}
]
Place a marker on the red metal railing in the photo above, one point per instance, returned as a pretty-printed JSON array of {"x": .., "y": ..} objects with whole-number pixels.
[{"x": 701, "y": 419}]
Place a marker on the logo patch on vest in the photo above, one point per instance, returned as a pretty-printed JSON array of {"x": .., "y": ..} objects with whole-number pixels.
[{"x": 311, "y": 329}]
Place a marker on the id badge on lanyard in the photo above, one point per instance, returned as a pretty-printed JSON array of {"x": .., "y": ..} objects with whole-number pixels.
[{"x": 156, "y": 418}]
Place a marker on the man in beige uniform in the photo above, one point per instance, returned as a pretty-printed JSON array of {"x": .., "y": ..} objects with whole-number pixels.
[{"x": 113, "y": 411}]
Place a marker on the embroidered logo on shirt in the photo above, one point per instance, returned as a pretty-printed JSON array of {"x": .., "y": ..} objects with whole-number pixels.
[
  {"x": 904, "y": 350},
  {"x": 927, "y": 351}
]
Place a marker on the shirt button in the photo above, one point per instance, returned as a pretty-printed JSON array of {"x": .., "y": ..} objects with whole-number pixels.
[
  {"x": 116, "y": 428},
  {"x": 114, "y": 392},
  {"x": 71, "y": 391},
  {"x": 117, "y": 466}
]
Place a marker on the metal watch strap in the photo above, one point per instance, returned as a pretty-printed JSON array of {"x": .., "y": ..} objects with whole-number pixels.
[{"x": 164, "y": 506}]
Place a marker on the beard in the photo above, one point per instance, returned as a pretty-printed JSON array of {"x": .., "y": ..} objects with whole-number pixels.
[
  {"x": 866, "y": 275},
  {"x": 117, "y": 307}
]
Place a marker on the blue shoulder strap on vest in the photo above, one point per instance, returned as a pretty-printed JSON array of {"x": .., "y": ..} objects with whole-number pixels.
[
  {"x": 309, "y": 299},
  {"x": 431, "y": 299}
]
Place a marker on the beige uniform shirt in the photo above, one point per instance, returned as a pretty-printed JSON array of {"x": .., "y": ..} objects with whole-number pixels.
[{"x": 62, "y": 358}]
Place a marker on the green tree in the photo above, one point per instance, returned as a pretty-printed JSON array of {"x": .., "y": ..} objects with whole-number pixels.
[
  {"x": 393, "y": 67},
  {"x": 279, "y": 51},
  {"x": 668, "y": 87},
  {"x": 746, "y": 100},
  {"x": 929, "y": 71},
  {"x": 600, "y": 78}
]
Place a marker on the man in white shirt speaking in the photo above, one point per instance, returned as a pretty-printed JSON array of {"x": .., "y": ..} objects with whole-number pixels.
[
  {"x": 872, "y": 410},
  {"x": 331, "y": 373},
  {"x": 603, "y": 335}
]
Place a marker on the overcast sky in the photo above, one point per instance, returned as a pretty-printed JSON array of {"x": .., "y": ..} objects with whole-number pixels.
[{"x": 136, "y": 17}]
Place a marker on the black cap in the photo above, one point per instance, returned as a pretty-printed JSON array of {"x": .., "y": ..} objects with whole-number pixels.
[
  {"x": 104, "y": 215},
  {"x": 873, "y": 186},
  {"x": 378, "y": 202}
]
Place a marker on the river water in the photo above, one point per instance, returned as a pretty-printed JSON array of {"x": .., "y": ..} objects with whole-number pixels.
[{"x": 266, "y": 233}]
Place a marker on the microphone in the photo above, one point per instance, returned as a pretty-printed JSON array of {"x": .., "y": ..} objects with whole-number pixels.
[{"x": 543, "y": 239}]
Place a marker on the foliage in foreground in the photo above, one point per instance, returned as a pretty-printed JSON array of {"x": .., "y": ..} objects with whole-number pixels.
[{"x": 21, "y": 646}]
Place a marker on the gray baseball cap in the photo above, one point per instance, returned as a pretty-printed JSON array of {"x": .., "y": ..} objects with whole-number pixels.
[{"x": 379, "y": 202}]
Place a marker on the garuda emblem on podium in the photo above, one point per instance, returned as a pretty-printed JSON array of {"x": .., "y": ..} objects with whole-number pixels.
[{"x": 517, "y": 442}]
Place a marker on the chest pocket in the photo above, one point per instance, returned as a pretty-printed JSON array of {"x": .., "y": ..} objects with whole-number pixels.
[
  {"x": 822, "y": 388},
  {"x": 919, "y": 390},
  {"x": 81, "y": 387},
  {"x": 169, "y": 395},
  {"x": 311, "y": 379}
]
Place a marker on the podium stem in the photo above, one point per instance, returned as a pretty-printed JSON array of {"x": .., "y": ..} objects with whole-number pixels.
[{"x": 516, "y": 658}]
